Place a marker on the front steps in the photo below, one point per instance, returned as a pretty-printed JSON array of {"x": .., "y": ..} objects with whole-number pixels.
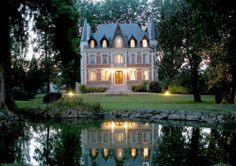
[{"x": 118, "y": 89}]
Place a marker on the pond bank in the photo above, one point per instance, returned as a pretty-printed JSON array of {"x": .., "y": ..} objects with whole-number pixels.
[{"x": 150, "y": 115}]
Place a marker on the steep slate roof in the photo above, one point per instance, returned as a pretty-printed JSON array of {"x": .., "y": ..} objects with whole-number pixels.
[
  {"x": 153, "y": 33},
  {"x": 84, "y": 31},
  {"x": 128, "y": 30}
]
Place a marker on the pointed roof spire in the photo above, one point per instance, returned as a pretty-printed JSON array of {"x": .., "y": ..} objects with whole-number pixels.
[
  {"x": 84, "y": 31},
  {"x": 152, "y": 32}
]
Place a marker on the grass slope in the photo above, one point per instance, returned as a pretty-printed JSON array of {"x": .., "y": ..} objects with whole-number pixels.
[
  {"x": 156, "y": 102},
  {"x": 143, "y": 102}
]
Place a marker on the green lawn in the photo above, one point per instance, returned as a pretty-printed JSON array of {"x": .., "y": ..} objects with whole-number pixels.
[
  {"x": 145, "y": 102},
  {"x": 157, "y": 102}
]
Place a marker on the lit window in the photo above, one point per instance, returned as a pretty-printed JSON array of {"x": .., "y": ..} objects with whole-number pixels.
[
  {"x": 104, "y": 59},
  {"x": 92, "y": 59},
  {"x": 104, "y": 44},
  {"x": 92, "y": 76},
  {"x": 145, "y": 43},
  {"x": 132, "y": 43},
  {"x": 145, "y": 75},
  {"x": 118, "y": 59},
  {"x": 92, "y": 44},
  {"x": 105, "y": 76},
  {"x": 133, "y": 74},
  {"x": 118, "y": 42}
]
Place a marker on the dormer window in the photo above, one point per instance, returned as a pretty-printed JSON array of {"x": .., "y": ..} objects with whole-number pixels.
[
  {"x": 118, "y": 42},
  {"x": 92, "y": 44},
  {"x": 104, "y": 43},
  {"x": 144, "y": 43},
  {"x": 132, "y": 43}
]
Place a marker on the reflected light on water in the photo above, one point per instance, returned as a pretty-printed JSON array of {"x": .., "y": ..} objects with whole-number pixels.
[
  {"x": 105, "y": 152},
  {"x": 119, "y": 153},
  {"x": 133, "y": 152},
  {"x": 145, "y": 153}
]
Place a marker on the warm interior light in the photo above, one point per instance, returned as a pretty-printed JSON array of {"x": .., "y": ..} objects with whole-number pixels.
[
  {"x": 119, "y": 153},
  {"x": 145, "y": 152},
  {"x": 167, "y": 93},
  {"x": 133, "y": 152},
  {"x": 93, "y": 152},
  {"x": 106, "y": 152}
]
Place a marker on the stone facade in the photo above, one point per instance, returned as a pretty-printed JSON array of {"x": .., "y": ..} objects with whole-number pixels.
[{"x": 118, "y": 55}]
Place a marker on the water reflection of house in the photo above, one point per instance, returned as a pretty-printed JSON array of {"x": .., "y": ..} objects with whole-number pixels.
[{"x": 120, "y": 143}]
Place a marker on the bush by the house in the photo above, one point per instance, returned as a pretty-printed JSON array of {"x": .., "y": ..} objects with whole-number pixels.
[
  {"x": 21, "y": 94},
  {"x": 155, "y": 86},
  {"x": 177, "y": 89},
  {"x": 83, "y": 88},
  {"x": 87, "y": 89},
  {"x": 142, "y": 87},
  {"x": 50, "y": 97}
]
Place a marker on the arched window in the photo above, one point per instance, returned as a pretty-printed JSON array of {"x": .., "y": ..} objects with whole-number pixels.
[
  {"x": 144, "y": 42},
  {"x": 104, "y": 43},
  {"x": 132, "y": 43},
  {"x": 92, "y": 76},
  {"x": 133, "y": 75},
  {"x": 106, "y": 76},
  {"x": 145, "y": 75},
  {"x": 118, "y": 59},
  {"x": 92, "y": 44},
  {"x": 118, "y": 42}
]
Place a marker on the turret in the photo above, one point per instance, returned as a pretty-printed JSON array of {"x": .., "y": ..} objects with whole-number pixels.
[
  {"x": 152, "y": 34},
  {"x": 83, "y": 45},
  {"x": 85, "y": 35}
]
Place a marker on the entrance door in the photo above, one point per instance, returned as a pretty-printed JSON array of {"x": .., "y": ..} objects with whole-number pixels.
[{"x": 119, "y": 77}]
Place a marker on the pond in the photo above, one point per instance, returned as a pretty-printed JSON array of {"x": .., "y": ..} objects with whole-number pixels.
[{"x": 117, "y": 142}]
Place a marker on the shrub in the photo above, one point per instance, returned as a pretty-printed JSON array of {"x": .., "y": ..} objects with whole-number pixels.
[
  {"x": 50, "y": 97},
  {"x": 21, "y": 94},
  {"x": 155, "y": 86},
  {"x": 83, "y": 88},
  {"x": 177, "y": 89},
  {"x": 142, "y": 87},
  {"x": 86, "y": 89}
]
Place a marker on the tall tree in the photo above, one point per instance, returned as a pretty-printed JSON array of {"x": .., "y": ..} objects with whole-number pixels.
[
  {"x": 13, "y": 23},
  {"x": 218, "y": 21},
  {"x": 178, "y": 39}
]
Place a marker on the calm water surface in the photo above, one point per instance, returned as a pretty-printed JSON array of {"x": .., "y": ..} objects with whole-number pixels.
[{"x": 117, "y": 142}]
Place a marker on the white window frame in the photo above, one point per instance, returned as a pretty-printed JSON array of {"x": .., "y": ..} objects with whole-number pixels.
[
  {"x": 95, "y": 59},
  {"x": 107, "y": 58}
]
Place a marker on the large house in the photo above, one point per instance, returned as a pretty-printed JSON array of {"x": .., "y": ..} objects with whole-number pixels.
[{"x": 118, "y": 55}]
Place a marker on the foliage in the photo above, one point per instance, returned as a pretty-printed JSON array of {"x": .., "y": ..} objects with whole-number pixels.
[
  {"x": 219, "y": 26},
  {"x": 112, "y": 11},
  {"x": 21, "y": 94},
  {"x": 51, "y": 97},
  {"x": 155, "y": 86},
  {"x": 83, "y": 88},
  {"x": 180, "y": 42},
  {"x": 75, "y": 102},
  {"x": 26, "y": 82},
  {"x": 142, "y": 87},
  {"x": 176, "y": 89},
  {"x": 87, "y": 89}
]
